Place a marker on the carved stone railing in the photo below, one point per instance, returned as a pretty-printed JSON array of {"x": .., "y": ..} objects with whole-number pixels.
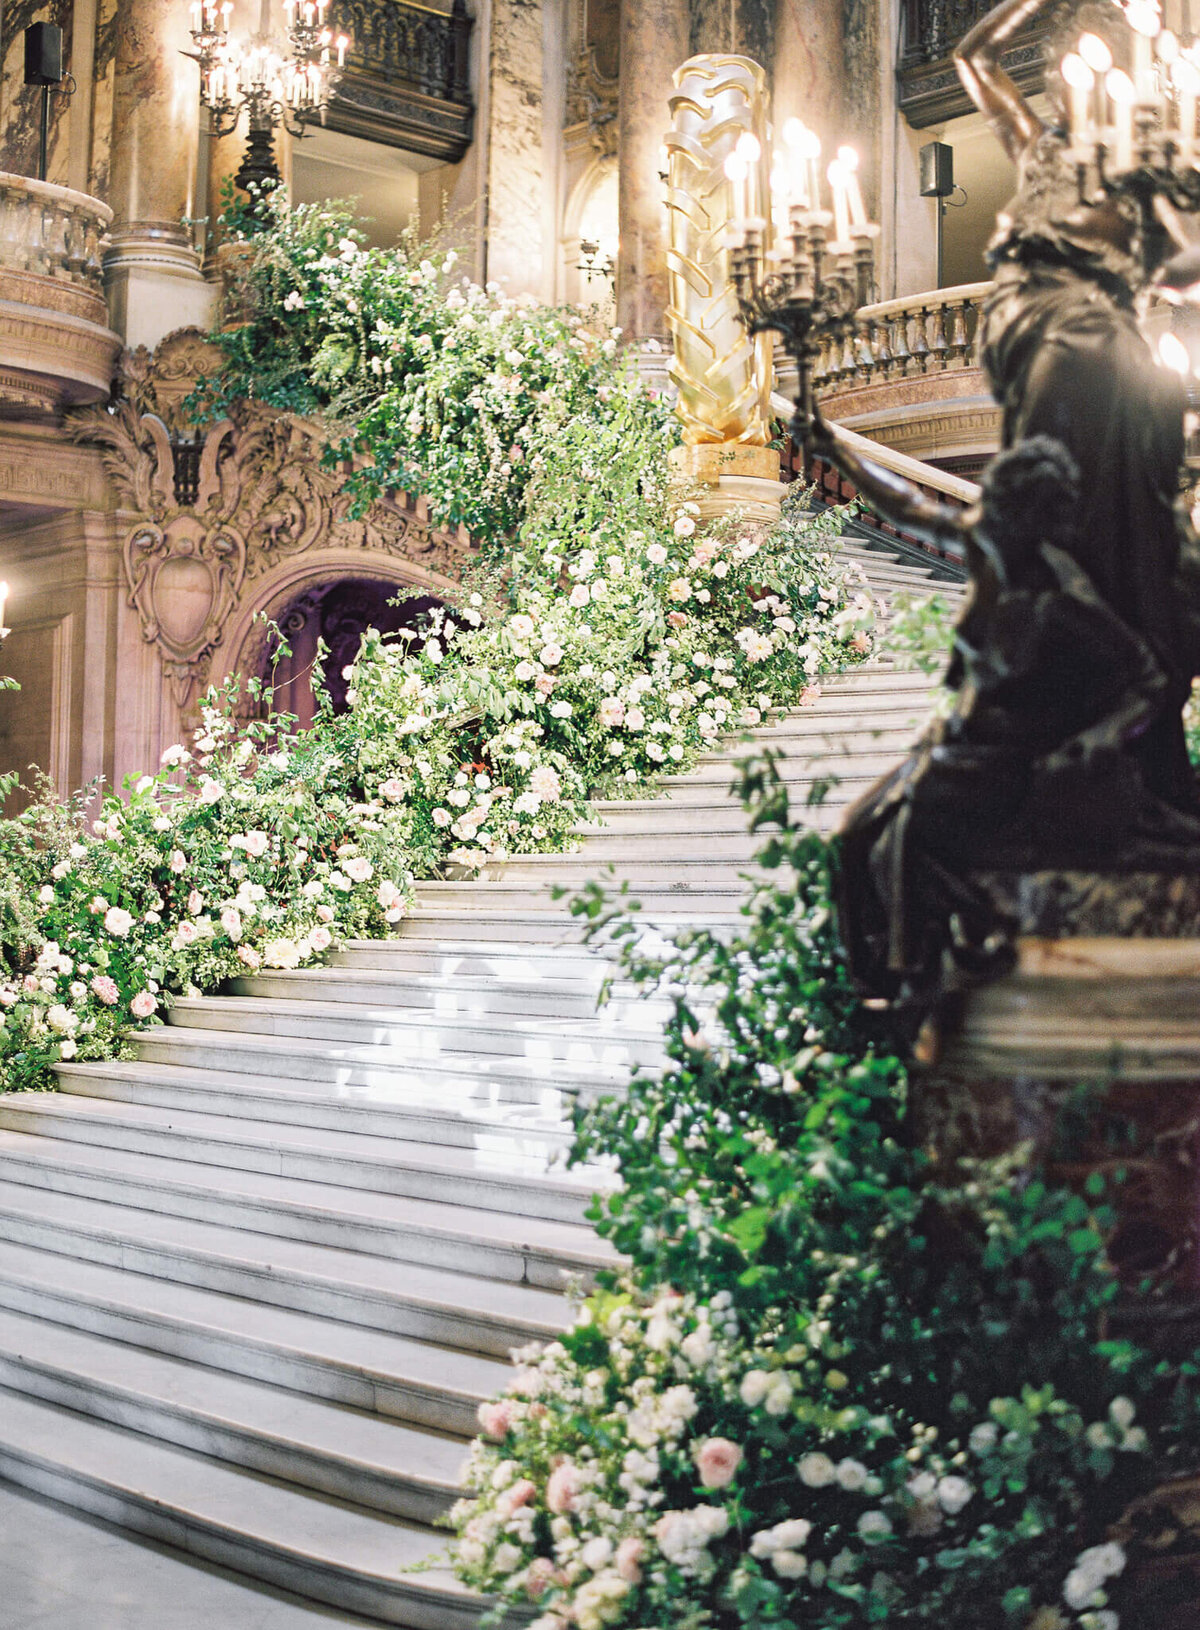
[
  {"x": 56, "y": 347},
  {"x": 407, "y": 75},
  {"x": 908, "y": 377},
  {"x": 919, "y": 334},
  {"x": 51, "y": 231},
  {"x": 930, "y": 89}
]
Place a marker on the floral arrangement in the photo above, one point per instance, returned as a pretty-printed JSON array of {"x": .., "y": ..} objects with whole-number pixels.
[
  {"x": 246, "y": 851},
  {"x": 838, "y": 1384},
  {"x": 606, "y": 639}
]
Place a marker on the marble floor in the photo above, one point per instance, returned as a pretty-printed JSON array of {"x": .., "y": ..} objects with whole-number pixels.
[{"x": 60, "y": 1570}]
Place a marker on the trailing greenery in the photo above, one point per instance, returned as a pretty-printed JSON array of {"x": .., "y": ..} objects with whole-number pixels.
[
  {"x": 601, "y": 641},
  {"x": 837, "y": 1384}
]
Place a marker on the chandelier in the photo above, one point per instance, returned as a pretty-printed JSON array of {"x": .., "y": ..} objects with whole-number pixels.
[
  {"x": 799, "y": 268},
  {"x": 288, "y": 83}
]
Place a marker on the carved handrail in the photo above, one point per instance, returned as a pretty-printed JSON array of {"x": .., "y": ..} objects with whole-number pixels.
[
  {"x": 954, "y": 487},
  {"x": 927, "y": 333},
  {"x": 51, "y": 231}
]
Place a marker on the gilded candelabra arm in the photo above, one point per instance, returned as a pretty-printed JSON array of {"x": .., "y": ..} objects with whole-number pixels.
[
  {"x": 899, "y": 501},
  {"x": 993, "y": 91}
]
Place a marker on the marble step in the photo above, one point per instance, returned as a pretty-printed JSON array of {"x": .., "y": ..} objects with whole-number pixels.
[
  {"x": 813, "y": 729},
  {"x": 318, "y": 1547},
  {"x": 438, "y": 993},
  {"x": 459, "y": 1078},
  {"x": 487, "y": 1179},
  {"x": 401, "y": 1377},
  {"x": 480, "y": 901},
  {"x": 404, "y": 1299},
  {"x": 866, "y": 766},
  {"x": 453, "y": 958},
  {"x": 428, "y": 1116},
  {"x": 366, "y": 1459},
  {"x": 486, "y": 1244},
  {"x": 651, "y": 817},
  {"x": 627, "y": 1036}
]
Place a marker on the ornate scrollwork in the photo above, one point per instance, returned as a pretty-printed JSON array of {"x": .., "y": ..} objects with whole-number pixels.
[{"x": 259, "y": 495}]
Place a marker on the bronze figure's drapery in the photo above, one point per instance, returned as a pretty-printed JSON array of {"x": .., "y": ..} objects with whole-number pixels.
[{"x": 1075, "y": 655}]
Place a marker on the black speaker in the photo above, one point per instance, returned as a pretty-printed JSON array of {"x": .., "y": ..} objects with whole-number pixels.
[
  {"x": 43, "y": 54},
  {"x": 937, "y": 170}
]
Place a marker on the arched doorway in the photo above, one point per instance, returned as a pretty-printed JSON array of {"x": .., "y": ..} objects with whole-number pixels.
[{"x": 338, "y": 614}]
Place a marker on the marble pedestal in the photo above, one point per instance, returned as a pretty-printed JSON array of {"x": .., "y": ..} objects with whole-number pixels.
[
  {"x": 1089, "y": 1052},
  {"x": 154, "y": 286},
  {"x": 733, "y": 479}
]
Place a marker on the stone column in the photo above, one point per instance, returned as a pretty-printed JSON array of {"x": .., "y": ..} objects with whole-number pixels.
[
  {"x": 152, "y": 271},
  {"x": 810, "y": 66},
  {"x": 654, "y": 42}
]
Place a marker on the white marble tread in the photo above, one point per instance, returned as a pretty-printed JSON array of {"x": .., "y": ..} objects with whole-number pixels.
[
  {"x": 488, "y": 1314},
  {"x": 192, "y": 1406},
  {"x": 261, "y": 1203},
  {"x": 221, "y": 1511},
  {"x": 429, "y": 1117},
  {"x": 65, "y": 1570},
  {"x": 400, "y": 1376},
  {"x": 273, "y": 1141}
]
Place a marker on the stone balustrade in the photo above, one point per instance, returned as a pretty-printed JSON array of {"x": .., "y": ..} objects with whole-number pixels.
[
  {"x": 908, "y": 378},
  {"x": 56, "y": 348},
  {"x": 899, "y": 339}
]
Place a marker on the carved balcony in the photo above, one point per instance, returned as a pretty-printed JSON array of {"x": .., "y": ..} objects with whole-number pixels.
[
  {"x": 930, "y": 89},
  {"x": 406, "y": 80},
  {"x": 56, "y": 348},
  {"x": 909, "y": 379}
]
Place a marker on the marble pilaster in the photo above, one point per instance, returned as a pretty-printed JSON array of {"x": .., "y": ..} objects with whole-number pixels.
[
  {"x": 516, "y": 167},
  {"x": 809, "y": 66},
  {"x": 654, "y": 42},
  {"x": 152, "y": 269},
  {"x": 742, "y": 27}
]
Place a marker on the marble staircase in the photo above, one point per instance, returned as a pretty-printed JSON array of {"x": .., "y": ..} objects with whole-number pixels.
[{"x": 255, "y": 1281}]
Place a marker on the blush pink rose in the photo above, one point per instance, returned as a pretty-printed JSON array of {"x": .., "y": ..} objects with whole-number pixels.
[
  {"x": 539, "y": 1577},
  {"x": 544, "y": 684},
  {"x": 143, "y": 1005},
  {"x": 563, "y": 1488},
  {"x": 515, "y": 1496},
  {"x": 629, "y": 1559},
  {"x": 495, "y": 1418},
  {"x": 106, "y": 990},
  {"x": 677, "y": 619},
  {"x": 717, "y": 1461}
]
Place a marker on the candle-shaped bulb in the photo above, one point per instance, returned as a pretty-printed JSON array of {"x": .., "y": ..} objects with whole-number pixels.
[
  {"x": 794, "y": 133},
  {"x": 1123, "y": 94},
  {"x": 1079, "y": 79},
  {"x": 1167, "y": 47},
  {"x": 736, "y": 168},
  {"x": 839, "y": 181},
  {"x": 749, "y": 146},
  {"x": 343, "y": 42},
  {"x": 3, "y": 602},
  {"x": 1095, "y": 53},
  {"x": 1173, "y": 354}
]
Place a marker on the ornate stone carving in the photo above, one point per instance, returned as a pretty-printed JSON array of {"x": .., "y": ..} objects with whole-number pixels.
[
  {"x": 260, "y": 496},
  {"x": 592, "y": 101},
  {"x": 159, "y": 381}
]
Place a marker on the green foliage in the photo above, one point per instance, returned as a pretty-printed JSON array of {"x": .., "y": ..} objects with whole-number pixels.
[
  {"x": 837, "y": 1384},
  {"x": 920, "y": 632}
]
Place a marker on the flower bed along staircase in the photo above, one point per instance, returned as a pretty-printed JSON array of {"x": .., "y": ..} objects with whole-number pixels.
[{"x": 255, "y": 1283}]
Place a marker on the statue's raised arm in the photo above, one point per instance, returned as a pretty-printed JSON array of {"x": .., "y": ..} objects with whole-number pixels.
[{"x": 992, "y": 90}]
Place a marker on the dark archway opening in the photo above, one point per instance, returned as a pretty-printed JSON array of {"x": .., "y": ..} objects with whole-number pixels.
[{"x": 337, "y": 614}]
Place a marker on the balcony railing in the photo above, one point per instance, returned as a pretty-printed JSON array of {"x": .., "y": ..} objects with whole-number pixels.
[
  {"x": 926, "y": 333},
  {"x": 407, "y": 80},
  {"x": 51, "y": 231},
  {"x": 930, "y": 90},
  {"x": 56, "y": 347}
]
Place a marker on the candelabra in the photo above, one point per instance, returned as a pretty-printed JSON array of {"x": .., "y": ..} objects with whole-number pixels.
[
  {"x": 289, "y": 84},
  {"x": 788, "y": 273},
  {"x": 597, "y": 259},
  {"x": 1132, "y": 128}
]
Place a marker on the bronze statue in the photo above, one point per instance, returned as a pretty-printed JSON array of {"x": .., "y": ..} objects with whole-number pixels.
[{"x": 1082, "y": 632}]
